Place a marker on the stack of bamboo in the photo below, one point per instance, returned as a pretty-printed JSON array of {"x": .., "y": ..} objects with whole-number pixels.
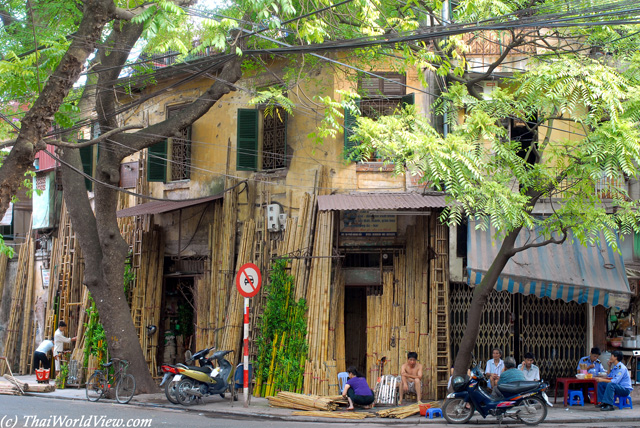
[
  {"x": 291, "y": 400},
  {"x": 214, "y": 288},
  {"x": 26, "y": 387},
  {"x": 233, "y": 323},
  {"x": 147, "y": 294},
  {"x": 3, "y": 272},
  {"x": 319, "y": 291},
  {"x": 327, "y": 414},
  {"x": 298, "y": 239},
  {"x": 405, "y": 411},
  {"x": 20, "y": 325}
]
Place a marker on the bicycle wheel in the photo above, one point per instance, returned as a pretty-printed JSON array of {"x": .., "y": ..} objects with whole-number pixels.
[
  {"x": 125, "y": 388},
  {"x": 96, "y": 386}
]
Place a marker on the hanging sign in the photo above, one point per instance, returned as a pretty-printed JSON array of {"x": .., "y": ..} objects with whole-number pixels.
[{"x": 248, "y": 280}]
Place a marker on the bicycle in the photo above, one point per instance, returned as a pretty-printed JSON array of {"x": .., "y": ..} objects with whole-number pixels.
[{"x": 100, "y": 382}]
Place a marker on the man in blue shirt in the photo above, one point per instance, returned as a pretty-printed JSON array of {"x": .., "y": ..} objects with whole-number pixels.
[
  {"x": 617, "y": 383},
  {"x": 591, "y": 362},
  {"x": 510, "y": 373}
]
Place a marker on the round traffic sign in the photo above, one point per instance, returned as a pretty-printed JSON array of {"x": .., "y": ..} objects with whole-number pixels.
[{"x": 248, "y": 280}]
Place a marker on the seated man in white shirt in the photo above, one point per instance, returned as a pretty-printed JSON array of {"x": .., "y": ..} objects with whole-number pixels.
[{"x": 530, "y": 370}]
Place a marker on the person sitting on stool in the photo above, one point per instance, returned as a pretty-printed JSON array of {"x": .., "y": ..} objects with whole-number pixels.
[
  {"x": 40, "y": 355},
  {"x": 618, "y": 382}
]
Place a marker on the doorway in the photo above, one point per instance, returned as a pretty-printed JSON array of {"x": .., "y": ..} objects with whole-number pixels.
[
  {"x": 355, "y": 327},
  {"x": 176, "y": 319}
]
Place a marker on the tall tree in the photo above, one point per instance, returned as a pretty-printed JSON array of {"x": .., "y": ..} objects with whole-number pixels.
[
  {"x": 497, "y": 180},
  {"x": 110, "y": 33}
]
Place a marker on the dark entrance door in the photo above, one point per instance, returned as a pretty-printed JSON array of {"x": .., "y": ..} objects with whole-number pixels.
[
  {"x": 355, "y": 327},
  {"x": 176, "y": 320}
]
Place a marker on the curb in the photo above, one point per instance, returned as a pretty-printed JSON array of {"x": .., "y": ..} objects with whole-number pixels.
[{"x": 243, "y": 415}]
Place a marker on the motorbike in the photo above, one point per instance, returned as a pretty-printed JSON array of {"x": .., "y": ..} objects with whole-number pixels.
[
  {"x": 199, "y": 382},
  {"x": 524, "y": 401},
  {"x": 172, "y": 373}
]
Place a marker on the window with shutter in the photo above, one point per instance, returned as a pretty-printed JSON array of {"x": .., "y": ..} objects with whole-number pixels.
[
  {"x": 381, "y": 96},
  {"x": 87, "y": 158},
  {"x": 157, "y": 162},
  {"x": 247, "y": 144}
]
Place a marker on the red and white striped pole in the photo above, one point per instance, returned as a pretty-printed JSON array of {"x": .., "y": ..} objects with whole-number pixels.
[{"x": 245, "y": 384}]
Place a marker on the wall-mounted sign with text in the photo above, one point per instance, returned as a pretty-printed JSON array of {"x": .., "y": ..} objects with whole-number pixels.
[{"x": 367, "y": 223}]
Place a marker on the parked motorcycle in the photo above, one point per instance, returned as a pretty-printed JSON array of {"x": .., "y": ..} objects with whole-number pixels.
[
  {"x": 524, "y": 401},
  {"x": 172, "y": 373},
  {"x": 199, "y": 382}
]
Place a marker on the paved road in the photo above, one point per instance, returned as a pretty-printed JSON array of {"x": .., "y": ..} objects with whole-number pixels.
[{"x": 45, "y": 412}]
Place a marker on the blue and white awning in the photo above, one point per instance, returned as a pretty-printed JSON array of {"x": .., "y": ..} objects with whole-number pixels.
[{"x": 572, "y": 272}]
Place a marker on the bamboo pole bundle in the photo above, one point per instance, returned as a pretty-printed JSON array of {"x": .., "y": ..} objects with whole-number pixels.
[
  {"x": 26, "y": 387},
  {"x": 332, "y": 378},
  {"x": 3, "y": 271},
  {"x": 302, "y": 242},
  {"x": 223, "y": 268},
  {"x": 339, "y": 314},
  {"x": 15, "y": 317},
  {"x": 233, "y": 323},
  {"x": 291, "y": 400},
  {"x": 27, "y": 324},
  {"x": 319, "y": 288},
  {"x": 329, "y": 414},
  {"x": 156, "y": 302},
  {"x": 208, "y": 291},
  {"x": 9, "y": 389},
  {"x": 404, "y": 411}
]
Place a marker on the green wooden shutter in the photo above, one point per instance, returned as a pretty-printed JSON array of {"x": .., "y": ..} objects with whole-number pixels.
[
  {"x": 86, "y": 157},
  {"x": 409, "y": 99},
  {"x": 247, "y": 144},
  {"x": 349, "y": 124},
  {"x": 157, "y": 162}
]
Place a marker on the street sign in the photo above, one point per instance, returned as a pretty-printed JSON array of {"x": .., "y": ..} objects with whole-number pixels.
[{"x": 248, "y": 280}]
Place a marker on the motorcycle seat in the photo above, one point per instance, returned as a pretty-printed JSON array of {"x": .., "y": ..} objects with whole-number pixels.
[
  {"x": 514, "y": 388},
  {"x": 206, "y": 370}
]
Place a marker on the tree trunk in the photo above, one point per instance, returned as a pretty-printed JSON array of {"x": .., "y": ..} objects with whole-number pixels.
[
  {"x": 105, "y": 253},
  {"x": 480, "y": 294}
]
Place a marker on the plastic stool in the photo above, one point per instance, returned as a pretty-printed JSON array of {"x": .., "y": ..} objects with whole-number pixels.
[
  {"x": 434, "y": 412},
  {"x": 576, "y": 397},
  {"x": 591, "y": 394},
  {"x": 622, "y": 402}
]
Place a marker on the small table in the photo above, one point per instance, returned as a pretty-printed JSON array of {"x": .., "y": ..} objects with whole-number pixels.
[{"x": 566, "y": 381}]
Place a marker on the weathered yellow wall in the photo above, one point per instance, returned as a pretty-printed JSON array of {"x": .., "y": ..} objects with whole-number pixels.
[{"x": 213, "y": 150}]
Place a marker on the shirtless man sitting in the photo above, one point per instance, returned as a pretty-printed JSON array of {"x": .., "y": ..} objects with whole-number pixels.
[{"x": 411, "y": 373}]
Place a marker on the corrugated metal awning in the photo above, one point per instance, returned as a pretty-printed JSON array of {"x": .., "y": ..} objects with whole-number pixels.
[
  {"x": 157, "y": 207},
  {"x": 570, "y": 271},
  {"x": 379, "y": 201}
]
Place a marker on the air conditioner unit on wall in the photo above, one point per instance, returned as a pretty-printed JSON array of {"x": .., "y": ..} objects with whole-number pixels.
[{"x": 273, "y": 217}]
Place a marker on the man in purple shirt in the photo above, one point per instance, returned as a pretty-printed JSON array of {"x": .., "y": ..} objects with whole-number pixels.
[{"x": 357, "y": 390}]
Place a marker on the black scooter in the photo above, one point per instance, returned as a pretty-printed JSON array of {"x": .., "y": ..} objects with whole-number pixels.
[
  {"x": 199, "y": 382},
  {"x": 523, "y": 401}
]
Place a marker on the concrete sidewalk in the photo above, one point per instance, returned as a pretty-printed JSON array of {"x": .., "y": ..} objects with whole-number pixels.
[{"x": 259, "y": 409}]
